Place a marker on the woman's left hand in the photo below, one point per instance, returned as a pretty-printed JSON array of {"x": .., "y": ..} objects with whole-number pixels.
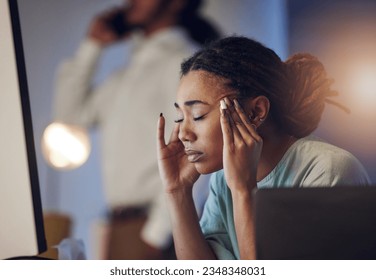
[{"x": 242, "y": 147}]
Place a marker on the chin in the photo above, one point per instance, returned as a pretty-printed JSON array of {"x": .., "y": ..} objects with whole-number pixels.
[{"x": 204, "y": 168}]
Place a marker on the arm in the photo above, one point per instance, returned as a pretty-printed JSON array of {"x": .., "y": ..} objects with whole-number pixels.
[
  {"x": 178, "y": 177},
  {"x": 243, "y": 218},
  {"x": 76, "y": 102},
  {"x": 73, "y": 84},
  {"x": 241, "y": 153},
  {"x": 188, "y": 238}
]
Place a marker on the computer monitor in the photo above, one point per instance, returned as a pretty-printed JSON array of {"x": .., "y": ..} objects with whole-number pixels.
[
  {"x": 315, "y": 223},
  {"x": 21, "y": 220}
]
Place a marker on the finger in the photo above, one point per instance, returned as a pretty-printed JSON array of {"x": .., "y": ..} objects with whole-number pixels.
[
  {"x": 234, "y": 123},
  {"x": 251, "y": 128},
  {"x": 228, "y": 138},
  {"x": 241, "y": 121},
  {"x": 175, "y": 134},
  {"x": 160, "y": 133},
  {"x": 234, "y": 114}
]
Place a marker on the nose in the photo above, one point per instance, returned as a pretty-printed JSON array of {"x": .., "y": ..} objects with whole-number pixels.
[{"x": 186, "y": 133}]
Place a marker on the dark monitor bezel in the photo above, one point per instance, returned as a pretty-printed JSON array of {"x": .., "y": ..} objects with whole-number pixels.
[{"x": 28, "y": 127}]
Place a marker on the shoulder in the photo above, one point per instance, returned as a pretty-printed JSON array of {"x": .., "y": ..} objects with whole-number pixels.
[
  {"x": 327, "y": 161},
  {"x": 176, "y": 45},
  {"x": 318, "y": 151}
]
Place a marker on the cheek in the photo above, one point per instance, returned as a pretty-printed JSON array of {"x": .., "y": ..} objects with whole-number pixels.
[
  {"x": 213, "y": 148},
  {"x": 216, "y": 139},
  {"x": 210, "y": 136}
]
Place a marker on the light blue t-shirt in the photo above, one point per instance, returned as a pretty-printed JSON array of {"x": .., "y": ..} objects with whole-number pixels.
[{"x": 309, "y": 162}]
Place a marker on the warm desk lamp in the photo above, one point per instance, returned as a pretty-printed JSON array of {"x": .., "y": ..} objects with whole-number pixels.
[{"x": 65, "y": 146}]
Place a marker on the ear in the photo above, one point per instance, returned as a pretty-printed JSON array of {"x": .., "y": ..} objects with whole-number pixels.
[{"x": 258, "y": 109}]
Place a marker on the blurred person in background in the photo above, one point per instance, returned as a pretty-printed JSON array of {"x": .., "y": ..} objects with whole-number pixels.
[{"x": 124, "y": 108}]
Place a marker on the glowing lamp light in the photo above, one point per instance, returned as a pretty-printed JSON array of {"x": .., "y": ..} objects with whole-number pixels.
[
  {"x": 365, "y": 82},
  {"x": 65, "y": 146}
]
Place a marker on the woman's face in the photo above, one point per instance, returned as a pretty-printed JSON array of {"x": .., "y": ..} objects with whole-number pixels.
[
  {"x": 198, "y": 114},
  {"x": 144, "y": 12}
]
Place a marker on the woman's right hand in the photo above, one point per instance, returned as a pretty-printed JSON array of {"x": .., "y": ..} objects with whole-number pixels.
[{"x": 176, "y": 172}]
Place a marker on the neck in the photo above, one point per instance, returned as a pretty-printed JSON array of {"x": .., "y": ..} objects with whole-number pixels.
[
  {"x": 158, "y": 25},
  {"x": 275, "y": 145}
]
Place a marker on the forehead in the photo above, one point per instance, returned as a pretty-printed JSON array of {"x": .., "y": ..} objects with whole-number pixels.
[{"x": 201, "y": 85}]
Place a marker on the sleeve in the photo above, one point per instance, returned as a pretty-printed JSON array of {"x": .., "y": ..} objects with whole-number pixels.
[
  {"x": 340, "y": 170},
  {"x": 213, "y": 225},
  {"x": 76, "y": 102}
]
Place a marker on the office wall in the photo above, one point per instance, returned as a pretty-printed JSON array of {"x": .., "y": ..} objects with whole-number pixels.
[{"x": 341, "y": 33}]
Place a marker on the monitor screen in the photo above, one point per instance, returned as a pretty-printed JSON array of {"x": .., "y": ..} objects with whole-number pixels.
[
  {"x": 21, "y": 220},
  {"x": 316, "y": 223}
]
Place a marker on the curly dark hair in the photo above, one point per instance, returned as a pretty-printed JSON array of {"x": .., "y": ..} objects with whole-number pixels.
[
  {"x": 200, "y": 29},
  {"x": 297, "y": 89}
]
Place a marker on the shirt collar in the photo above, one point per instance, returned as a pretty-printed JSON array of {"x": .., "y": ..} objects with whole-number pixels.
[{"x": 164, "y": 37}]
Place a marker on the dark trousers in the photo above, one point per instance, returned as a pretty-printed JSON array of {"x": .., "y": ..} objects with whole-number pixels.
[{"x": 125, "y": 242}]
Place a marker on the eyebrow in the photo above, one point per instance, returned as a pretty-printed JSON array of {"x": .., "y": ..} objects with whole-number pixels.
[{"x": 191, "y": 103}]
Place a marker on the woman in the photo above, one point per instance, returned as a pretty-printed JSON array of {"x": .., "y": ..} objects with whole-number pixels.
[{"x": 245, "y": 116}]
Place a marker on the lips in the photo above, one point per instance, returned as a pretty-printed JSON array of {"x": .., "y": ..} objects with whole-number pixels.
[{"x": 193, "y": 156}]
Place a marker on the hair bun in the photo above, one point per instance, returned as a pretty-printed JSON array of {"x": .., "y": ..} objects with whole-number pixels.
[{"x": 309, "y": 87}]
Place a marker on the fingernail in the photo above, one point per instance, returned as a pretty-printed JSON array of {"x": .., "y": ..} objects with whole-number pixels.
[
  {"x": 161, "y": 115},
  {"x": 223, "y": 104}
]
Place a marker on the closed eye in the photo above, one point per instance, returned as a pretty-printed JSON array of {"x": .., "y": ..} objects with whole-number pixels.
[
  {"x": 199, "y": 118},
  {"x": 195, "y": 119}
]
